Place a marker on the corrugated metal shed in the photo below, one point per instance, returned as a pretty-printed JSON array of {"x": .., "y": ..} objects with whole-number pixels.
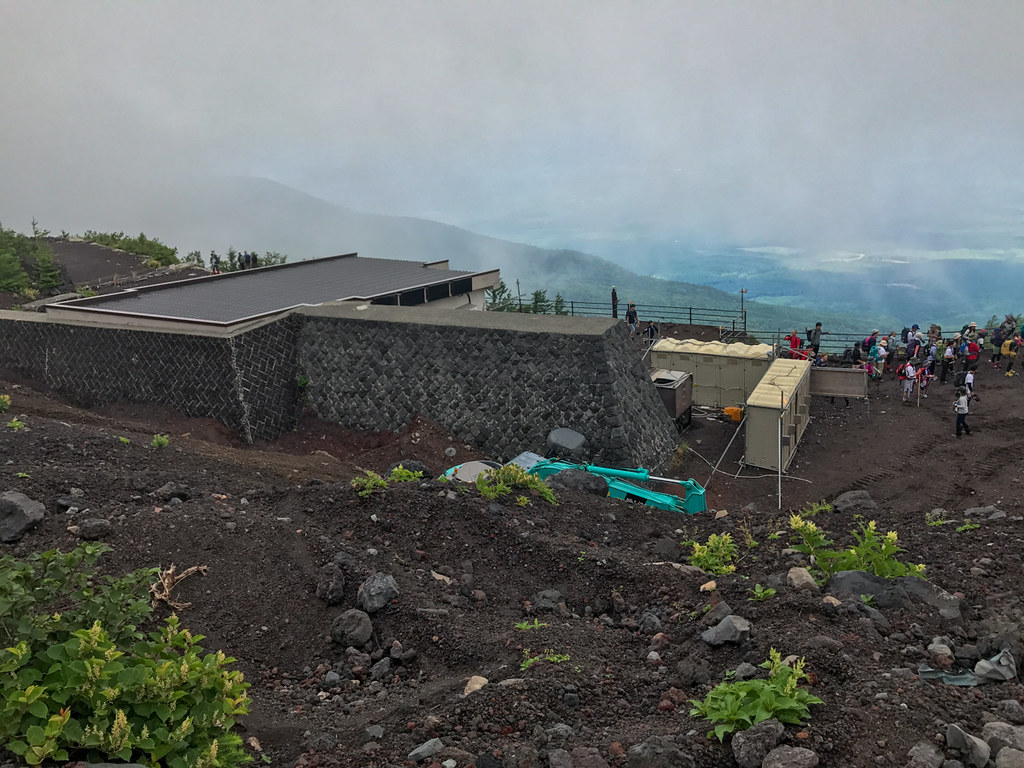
[{"x": 236, "y": 296}]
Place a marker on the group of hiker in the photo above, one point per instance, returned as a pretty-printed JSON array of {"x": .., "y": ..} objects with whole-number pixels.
[
  {"x": 245, "y": 260},
  {"x": 648, "y": 333},
  {"x": 916, "y": 358}
]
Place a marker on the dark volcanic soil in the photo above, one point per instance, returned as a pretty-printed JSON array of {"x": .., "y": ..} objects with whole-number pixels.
[{"x": 265, "y": 520}]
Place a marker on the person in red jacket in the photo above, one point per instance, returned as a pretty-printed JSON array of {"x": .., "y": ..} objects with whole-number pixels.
[{"x": 973, "y": 350}]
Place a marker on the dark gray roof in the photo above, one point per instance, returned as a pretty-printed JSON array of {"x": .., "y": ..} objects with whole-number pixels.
[{"x": 234, "y": 296}]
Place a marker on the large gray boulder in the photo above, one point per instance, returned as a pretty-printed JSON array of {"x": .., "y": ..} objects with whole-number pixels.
[
  {"x": 751, "y": 747},
  {"x": 1001, "y": 735},
  {"x": 790, "y": 757},
  {"x": 855, "y": 502},
  {"x": 894, "y": 593},
  {"x": 657, "y": 752},
  {"x": 579, "y": 479},
  {"x": 18, "y": 515},
  {"x": 377, "y": 591},
  {"x": 974, "y": 751},
  {"x": 352, "y": 628}
]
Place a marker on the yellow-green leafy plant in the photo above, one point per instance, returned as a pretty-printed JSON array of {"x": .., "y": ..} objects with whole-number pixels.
[
  {"x": 874, "y": 552},
  {"x": 5, "y": 403},
  {"x": 495, "y": 483},
  {"x": 160, "y": 441},
  {"x": 16, "y": 424},
  {"x": 368, "y": 483},
  {"x": 735, "y": 706},
  {"x": 402, "y": 475},
  {"x": 716, "y": 555},
  {"x": 84, "y": 683}
]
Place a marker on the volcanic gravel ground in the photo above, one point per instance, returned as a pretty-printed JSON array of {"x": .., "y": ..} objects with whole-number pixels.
[{"x": 266, "y": 519}]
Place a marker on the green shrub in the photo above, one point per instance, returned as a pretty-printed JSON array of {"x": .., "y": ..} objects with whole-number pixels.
[
  {"x": 160, "y": 441},
  {"x": 79, "y": 681},
  {"x": 874, "y": 552},
  {"x": 499, "y": 482},
  {"x": 368, "y": 483},
  {"x": 736, "y": 706},
  {"x": 402, "y": 475},
  {"x": 716, "y": 555},
  {"x": 16, "y": 424},
  {"x": 5, "y": 403},
  {"x": 161, "y": 699},
  {"x": 160, "y": 255}
]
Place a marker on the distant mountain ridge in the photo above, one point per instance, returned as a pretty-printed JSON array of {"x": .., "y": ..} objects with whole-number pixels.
[{"x": 249, "y": 213}]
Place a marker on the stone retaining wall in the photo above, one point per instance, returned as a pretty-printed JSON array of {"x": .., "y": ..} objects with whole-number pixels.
[
  {"x": 245, "y": 380},
  {"x": 498, "y": 381}
]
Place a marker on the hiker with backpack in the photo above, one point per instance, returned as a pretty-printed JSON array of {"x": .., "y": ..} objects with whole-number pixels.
[
  {"x": 962, "y": 407},
  {"x": 913, "y": 345},
  {"x": 947, "y": 360},
  {"x": 1009, "y": 350},
  {"x": 870, "y": 342},
  {"x": 907, "y": 374},
  {"x": 972, "y": 353},
  {"x": 814, "y": 338},
  {"x": 997, "y": 339}
]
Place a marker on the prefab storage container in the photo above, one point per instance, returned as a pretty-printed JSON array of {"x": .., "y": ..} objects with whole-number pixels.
[
  {"x": 676, "y": 390},
  {"x": 723, "y": 374},
  {"x": 778, "y": 410}
]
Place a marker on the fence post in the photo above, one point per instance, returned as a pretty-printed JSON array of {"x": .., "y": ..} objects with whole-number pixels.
[
  {"x": 572, "y": 308},
  {"x": 691, "y": 315}
]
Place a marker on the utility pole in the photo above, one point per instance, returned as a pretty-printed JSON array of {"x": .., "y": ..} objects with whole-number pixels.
[
  {"x": 743, "y": 309},
  {"x": 519, "y": 294}
]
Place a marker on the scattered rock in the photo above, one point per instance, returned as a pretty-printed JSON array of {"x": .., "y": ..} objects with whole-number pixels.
[
  {"x": 18, "y": 514},
  {"x": 330, "y": 584},
  {"x": 373, "y": 733},
  {"x": 587, "y": 757},
  {"x": 657, "y": 752},
  {"x": 801, "y": 580},
  {"x": 977, "y": 513},
  {"x": 750, "y": 747},
  {"x": 558, "y": 758},
  {"x": 1000, "y": 735},
  {"x": 168, "y": 491},
  {"x": 830, "y": 600},
  {"x": 548, "y": 601},
  {"x": 352, "y": 628},
  {"x": 716, "y": 614},
  {"x": 855, "y": 502},
  {"x": 381, "y": 669},
  {"x": 731, "y": 629},
  {"x": 92, "y": 528},
  {"x": 745, "y": 671},
  {"x": 1011, "y": 710},
  {"x": 377, "y": 592},
  {"x": 475, "y": 683},
  {"x": 425, "y": 750},
  {"x": 790, "y": 757},
  {"x": 975, "y": 751},
  {"x": 649, "y": 624}
]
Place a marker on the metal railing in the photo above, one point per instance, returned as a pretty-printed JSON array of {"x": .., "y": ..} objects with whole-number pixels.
[{"x": 732, "y": 321}]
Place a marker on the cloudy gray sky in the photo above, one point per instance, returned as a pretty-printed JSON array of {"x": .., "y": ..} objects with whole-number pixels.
[{"x": 554, "y": 122}]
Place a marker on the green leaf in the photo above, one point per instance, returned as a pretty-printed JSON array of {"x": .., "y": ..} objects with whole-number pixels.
[
  {"x": 35, "y": 735},
  {"x": 39, "y": 709},
  {"x": 17, "y": 746}
]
